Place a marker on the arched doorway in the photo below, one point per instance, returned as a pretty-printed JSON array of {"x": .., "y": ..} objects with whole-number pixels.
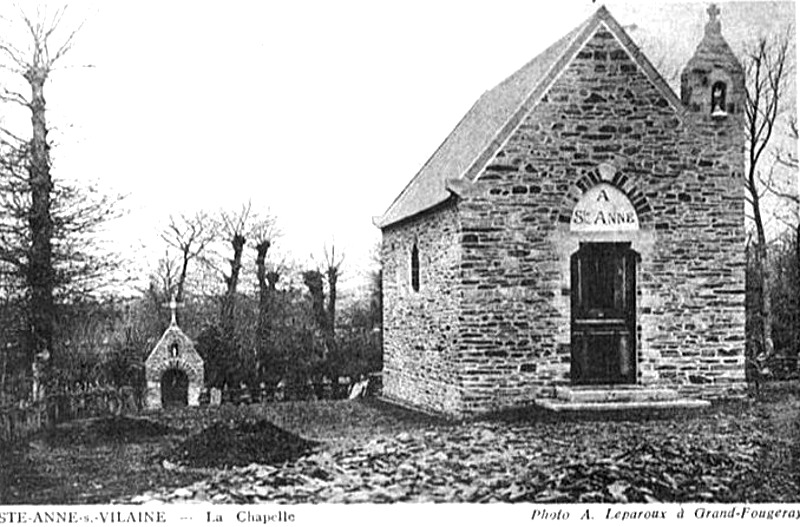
[{"x": 174, "y": 388}]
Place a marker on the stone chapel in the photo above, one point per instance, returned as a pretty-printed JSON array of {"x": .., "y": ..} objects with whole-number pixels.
[
  {"x": 581, "y": 231},
  {"x": 173, "y": 370}
]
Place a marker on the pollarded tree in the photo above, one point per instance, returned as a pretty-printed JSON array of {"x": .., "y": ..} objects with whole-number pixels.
[
  {"x": 333, "y": 270},
  {"x": 313, "y": 281},
  {"x": 233, "y": 228},
  {"x": 324, "y": 312},
  {"x": 264, "y": 233}
]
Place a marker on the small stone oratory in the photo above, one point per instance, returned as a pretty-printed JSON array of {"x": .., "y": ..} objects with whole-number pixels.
[
  {"x": 174, "y": 369},
  {"x": 580, "y": 231}
]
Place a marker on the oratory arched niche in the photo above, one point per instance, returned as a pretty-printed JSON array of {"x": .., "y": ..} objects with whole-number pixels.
[{"x": 604, "y": 208}]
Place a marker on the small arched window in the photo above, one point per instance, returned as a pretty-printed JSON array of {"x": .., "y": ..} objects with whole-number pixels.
[
  {"x": 415, "y": 268},
  {"x": 718, "y": 93}
]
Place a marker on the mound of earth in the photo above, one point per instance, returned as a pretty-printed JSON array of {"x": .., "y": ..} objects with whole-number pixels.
[
  {"x": 240, "y": 444},
  {"x": 117, "y": 429}
]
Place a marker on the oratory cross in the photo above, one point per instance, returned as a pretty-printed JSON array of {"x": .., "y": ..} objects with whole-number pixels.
[
  {"x": 173, "y": 305},
  {"x": 713, "y": 12},
  {"x": 713, "y": 26}
]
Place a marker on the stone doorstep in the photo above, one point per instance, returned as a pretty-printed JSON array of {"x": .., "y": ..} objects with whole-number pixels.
[
  {"x": 613, "y": 393},
  {"x": 557, "y": 405}
]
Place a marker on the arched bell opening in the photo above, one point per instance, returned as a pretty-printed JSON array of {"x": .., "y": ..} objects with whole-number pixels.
[{"x": 719, "y": 93}]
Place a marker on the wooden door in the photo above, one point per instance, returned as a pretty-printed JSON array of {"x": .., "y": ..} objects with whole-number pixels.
[{"x": 603, "y": 314}]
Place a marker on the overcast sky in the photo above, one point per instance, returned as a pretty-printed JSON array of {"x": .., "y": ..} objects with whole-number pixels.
[{"x": 320, "y": 111}]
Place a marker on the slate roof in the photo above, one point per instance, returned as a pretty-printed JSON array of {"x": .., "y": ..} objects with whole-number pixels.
[{"x": 464, "y": 152}]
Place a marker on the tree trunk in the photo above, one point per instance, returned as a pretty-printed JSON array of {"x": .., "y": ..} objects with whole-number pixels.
[
  {"x": 765, "y": 301},
  {"x": 272, "y": 279},
  {"x": 313, "y": 280},
  {"x": 264, "y": 290},
  {"x": 330, "y": 334},
  {"x": 182, "y": 277},
  {"x": 40, "y": 276},
  {"x": 232, "y": 281},
  {"x": 797, "y": 284},
  {"x": 333, "y": 277}
]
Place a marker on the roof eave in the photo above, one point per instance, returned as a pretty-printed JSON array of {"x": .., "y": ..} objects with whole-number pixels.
[{"x": 383, "y": 222}]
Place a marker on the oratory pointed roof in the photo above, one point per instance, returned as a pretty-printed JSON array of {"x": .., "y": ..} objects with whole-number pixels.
[{"x": 713, "y": 49}]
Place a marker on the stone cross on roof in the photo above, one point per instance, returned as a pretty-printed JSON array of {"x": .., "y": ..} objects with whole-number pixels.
[
  {"x": 713, "y": 26},
  {"x": 173, "y": 305}
]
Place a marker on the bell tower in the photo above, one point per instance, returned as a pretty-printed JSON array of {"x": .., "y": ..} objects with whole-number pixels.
[{"x": 712, "y": 82}]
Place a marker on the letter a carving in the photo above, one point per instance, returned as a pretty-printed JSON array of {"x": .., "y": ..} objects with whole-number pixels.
[{"x": 602, "y": 195}]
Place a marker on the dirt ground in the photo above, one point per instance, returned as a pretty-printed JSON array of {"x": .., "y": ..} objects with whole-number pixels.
[
  {"x": 366, "y": 450},
  {"x": 103, "y": 459}
]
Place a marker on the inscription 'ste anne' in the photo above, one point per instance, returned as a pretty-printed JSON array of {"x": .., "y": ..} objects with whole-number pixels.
[{"x": 604, "y": 208}]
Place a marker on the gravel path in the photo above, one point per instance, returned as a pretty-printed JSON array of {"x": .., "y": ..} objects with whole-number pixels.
[{"x": 732, "y": 453}]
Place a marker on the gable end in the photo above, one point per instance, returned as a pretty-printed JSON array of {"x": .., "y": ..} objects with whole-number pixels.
[{"x": 605, "y": 25}]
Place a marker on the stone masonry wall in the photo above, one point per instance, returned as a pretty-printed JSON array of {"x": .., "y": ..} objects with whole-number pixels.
[
  {"x": 421, "y": 328},
  {"x": 682, "y": 173},
  {"x": 161, "y": 360}
]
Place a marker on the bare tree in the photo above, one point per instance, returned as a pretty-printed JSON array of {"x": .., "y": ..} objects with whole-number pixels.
[
  {"x": 190, "y": 236},
  {"x": 166, "y": 274},
  {"x": 376, "y": 289},
  {"x": 768, "y": 66},
  {"x": 233, "y": 229},
  {"x": 264, "y": 233},
  {"x": 313, "y": 281},
  {"x": 791, "y": 193},
  {"x": 333, "y": 268},
  {"x": 34, "y": 62},
  {"x": 325, "y": 315},
  {"x": 787, "y": 157},
  {"x": 236, "y": 228}
]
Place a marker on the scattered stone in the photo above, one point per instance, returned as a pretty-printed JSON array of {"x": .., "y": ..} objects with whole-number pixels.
[{"x": 482, "y": 462}]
